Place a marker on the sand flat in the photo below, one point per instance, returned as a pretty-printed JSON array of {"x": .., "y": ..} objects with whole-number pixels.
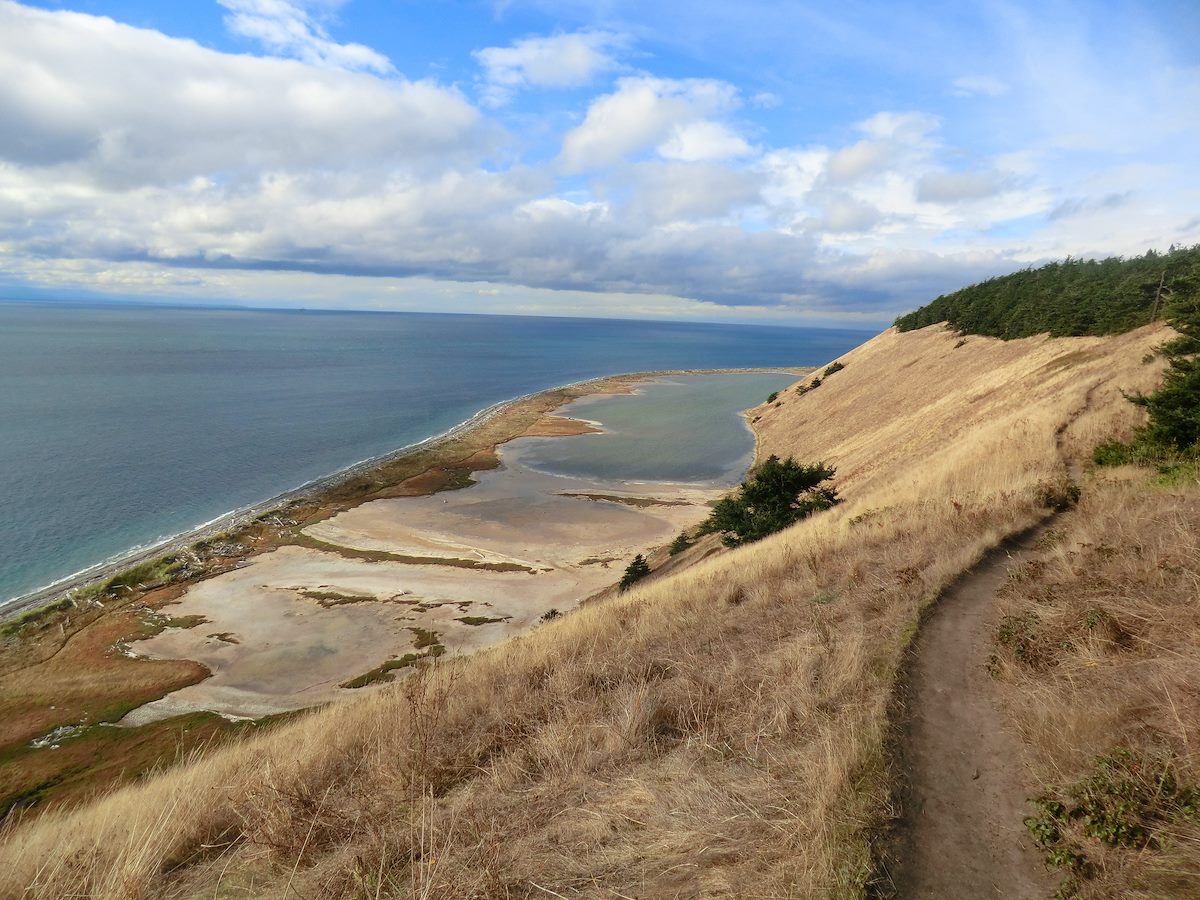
[
  {"x": 517, "y": 515},
  {"x": 288, "y": 627}
]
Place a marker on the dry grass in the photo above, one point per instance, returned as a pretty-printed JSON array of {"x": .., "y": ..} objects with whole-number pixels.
[
  {"x": 717, "y": 732},
  {"x": 1101, "y": 653}
]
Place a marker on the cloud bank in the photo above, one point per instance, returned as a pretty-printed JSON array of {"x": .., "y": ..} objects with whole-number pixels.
[{"x": 127, "y": 152}]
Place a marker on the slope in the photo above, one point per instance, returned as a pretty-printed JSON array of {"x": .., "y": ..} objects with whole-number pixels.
[{"x": 718, "y": 732}]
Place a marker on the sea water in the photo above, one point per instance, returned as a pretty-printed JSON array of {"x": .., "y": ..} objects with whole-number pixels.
[{"x": 124, "y": 425}]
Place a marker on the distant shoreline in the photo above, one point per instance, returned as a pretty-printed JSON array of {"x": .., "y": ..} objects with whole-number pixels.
[{"x": 313, "y": 490}]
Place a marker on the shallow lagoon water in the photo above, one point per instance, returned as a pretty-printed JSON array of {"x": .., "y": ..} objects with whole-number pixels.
[{"x": 677, "y": 429}]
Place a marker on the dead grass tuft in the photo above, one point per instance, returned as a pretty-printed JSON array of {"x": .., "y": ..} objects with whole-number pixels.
[{"x": 1099, "y": 663}]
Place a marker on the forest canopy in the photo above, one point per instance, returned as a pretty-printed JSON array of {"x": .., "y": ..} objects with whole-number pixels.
[{"x": 1070, "y": 298}]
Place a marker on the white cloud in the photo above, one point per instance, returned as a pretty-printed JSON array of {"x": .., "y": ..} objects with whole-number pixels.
[
  {"x": 288, "y": 28},
  {"x": 858, "y": 159},
  {"x": 894, "y": 191},
  {"x": 702, "y": 140},
  {"x": 560, "y": 60},
  {"x": 844, "y": 213},
  {"x": 891, "y": 138},
  {"x": 105, "y": 103},
  {"x": 899, "y": 126},
  {"x": 765, "y": 100},
  {"x": 122, "y": 144},
  {"x": 974, "y": 85},
  {"x": 674, "y": 115},
  {"x": 660, "y": 192}
]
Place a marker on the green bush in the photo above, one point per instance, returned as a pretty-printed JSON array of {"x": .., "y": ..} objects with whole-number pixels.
[
  {"x": 1124, "y": 802},
  {"x": 680, "y": 544},
  {"x": 1112, "y": 453},
  {"x": 774, "y": 394},
  {"x": 636, "y": 570},
  {"x": 831, "y": 368},
  {"x": 779, "y": 494}
]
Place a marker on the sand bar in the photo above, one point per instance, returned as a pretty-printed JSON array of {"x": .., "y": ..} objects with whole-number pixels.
[{"x": 287, "y": 629}]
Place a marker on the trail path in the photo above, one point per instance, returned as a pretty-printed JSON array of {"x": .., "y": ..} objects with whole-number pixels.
[{"x": 962, "y": 834}]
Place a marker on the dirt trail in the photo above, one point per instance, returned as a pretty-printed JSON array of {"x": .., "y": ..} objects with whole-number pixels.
[{"x": 962, "y": 833}]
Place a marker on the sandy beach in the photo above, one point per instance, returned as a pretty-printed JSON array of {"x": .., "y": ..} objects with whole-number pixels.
[
  {"x": 471, "y": 567},
  {"x": 453, "y": 545}
]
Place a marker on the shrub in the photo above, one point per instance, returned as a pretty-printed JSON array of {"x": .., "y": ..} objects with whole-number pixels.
[
  {"x": 831, "y": 368},
  {"x": 774, "y": 394},
  {"x": 1112, "y": 453},
  {"x": 1124, "y": 802},
  {"x": 1059, "y": 495},
  {"x": 637, "y": 570},
  {"x": 779, "y": 494},
  {"x": 680, "y": 544}
]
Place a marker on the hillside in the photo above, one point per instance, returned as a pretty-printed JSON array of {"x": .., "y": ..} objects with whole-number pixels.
[{"x": 719, "y": 731}]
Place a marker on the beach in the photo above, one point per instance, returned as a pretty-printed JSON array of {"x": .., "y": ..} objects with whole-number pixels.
[
  {"x": 444, "y": 548},
  {"x": 358, "y": 597},
  {"x": 498, "y": 423}
]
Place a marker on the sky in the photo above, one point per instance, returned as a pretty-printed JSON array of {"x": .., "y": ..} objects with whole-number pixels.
[{"x": 831, "y": 162}]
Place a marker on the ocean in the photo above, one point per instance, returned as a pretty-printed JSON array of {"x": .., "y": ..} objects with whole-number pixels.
[{"x": 124, "y": 425}]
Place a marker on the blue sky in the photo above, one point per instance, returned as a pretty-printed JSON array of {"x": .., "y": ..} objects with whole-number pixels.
[{"x": 817, "y": 162}]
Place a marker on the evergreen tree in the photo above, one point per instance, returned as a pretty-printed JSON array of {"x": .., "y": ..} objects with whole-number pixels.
[
  {"x": 1173, "y": 429},
  {"x": 1073, "y": 297},
  {"x": 636, "y": 570},
  {"x": 778, "y": 494},
  {"x": 680, "y": 543},
  {"x": 1174, "y": 408}
]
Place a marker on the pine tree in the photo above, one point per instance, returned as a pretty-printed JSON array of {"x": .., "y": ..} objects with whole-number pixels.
[
  {"x": 778, "y": 494},
  {"x": 680, "y": 543},
  {"x": 636, "y": 570}
]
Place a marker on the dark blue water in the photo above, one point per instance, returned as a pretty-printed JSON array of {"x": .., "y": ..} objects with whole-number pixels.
[{"x": 120, "y": 426}]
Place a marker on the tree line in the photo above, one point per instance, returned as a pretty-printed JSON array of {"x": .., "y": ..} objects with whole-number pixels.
[{"x": 1070, "y": 298}]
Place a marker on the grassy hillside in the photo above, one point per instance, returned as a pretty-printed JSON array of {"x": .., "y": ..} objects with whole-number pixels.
[
  {"x": 1075, "y": 297},
  {"x": 720, "y": 731},
  {"x": 1096, "y": 652}
]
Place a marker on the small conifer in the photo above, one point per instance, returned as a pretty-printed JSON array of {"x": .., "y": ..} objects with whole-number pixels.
[{"x": 636, "y": 570}]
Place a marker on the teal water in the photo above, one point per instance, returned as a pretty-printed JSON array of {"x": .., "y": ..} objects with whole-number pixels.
[
  {"x": 121, "y": 426},
  {"x": 679, "y": 429}
]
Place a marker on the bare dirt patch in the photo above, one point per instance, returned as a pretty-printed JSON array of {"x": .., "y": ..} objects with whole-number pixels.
[{"x": 962, "y": 833}]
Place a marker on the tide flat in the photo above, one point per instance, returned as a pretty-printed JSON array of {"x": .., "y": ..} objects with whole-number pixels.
[{"x": 288, "y": 628}]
